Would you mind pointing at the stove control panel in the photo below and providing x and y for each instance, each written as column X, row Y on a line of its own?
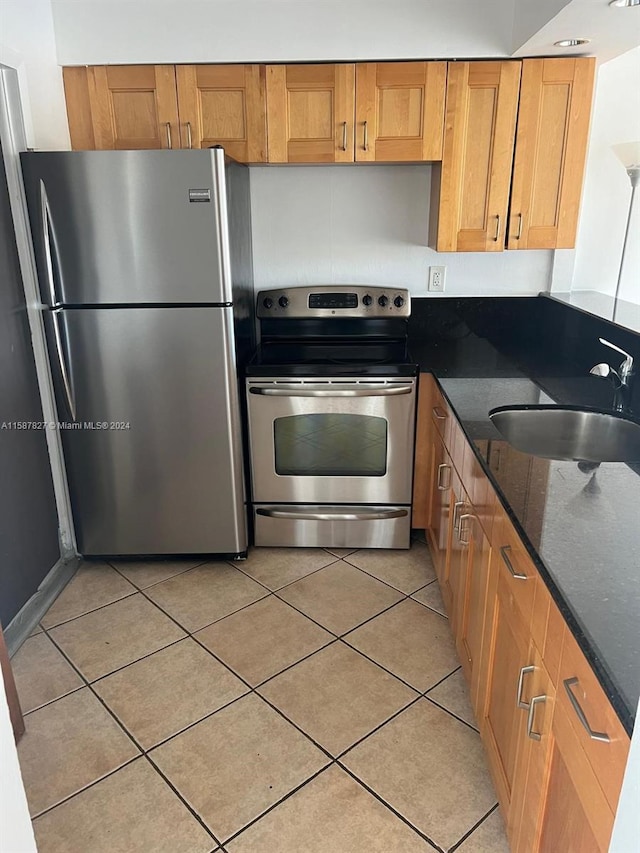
column 335, row 300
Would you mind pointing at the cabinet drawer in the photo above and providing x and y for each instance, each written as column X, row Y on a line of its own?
column 596, row 725
column 514, row 563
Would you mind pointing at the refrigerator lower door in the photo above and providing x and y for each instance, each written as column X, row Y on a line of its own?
column 154, row 455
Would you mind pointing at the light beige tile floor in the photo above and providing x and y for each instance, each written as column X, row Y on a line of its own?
column 304, row 700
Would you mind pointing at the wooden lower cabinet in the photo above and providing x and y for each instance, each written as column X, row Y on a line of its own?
column 438, row 532
column 506, row 659
column 557, row 784
column 472, row 604
column 564, row 807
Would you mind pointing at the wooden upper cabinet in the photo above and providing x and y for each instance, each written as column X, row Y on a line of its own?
column 310, row 111
column 551, row 147
column 129, row 106
column 399, row 111
column 372, row 112
column 223, row 105
column 470, row 191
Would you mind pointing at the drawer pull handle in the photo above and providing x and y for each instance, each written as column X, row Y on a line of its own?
column 438, row 414
column 601, row 736
column 441, row 469
column 167, row 127
column 520, row 703
column 532, row 710
column 344, row 136
column 456, row 520
column 464, row 540
column 504, row 553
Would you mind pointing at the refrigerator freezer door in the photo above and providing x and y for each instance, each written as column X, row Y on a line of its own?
column 129, row 227
column 154, row 457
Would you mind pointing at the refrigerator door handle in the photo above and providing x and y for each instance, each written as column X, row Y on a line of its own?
column 45, row 221
column 66, row 380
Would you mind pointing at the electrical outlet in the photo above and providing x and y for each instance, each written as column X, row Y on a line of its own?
column 436, row 279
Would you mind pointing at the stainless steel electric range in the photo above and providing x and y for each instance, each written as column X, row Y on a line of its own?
column 331, row 396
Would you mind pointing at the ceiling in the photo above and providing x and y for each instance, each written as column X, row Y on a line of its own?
column 156, row 31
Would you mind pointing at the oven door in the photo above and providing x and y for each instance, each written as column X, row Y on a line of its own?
column 331, row 440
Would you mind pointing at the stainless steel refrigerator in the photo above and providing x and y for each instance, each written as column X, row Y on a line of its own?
column 144, row 262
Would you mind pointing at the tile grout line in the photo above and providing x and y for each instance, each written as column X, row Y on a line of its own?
column 180, row 797
column 451, row 714
column 290, row 583
column 476, row 826
column 91, row 610
column 279, row 802
column 390, row 807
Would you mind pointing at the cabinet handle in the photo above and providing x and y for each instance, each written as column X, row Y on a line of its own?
column 438, row 414
column 532, row 710
column 456, row 521
column 520, row 703
column 189, row 137
column 168, row 129
column 601, row 736
column 497, row 234
column 504, row 553
column 461, row 529
column 366, row 137
column 344, row 136
column 441, row 468
column 519, row 234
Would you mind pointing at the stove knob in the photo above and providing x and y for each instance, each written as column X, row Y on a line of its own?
column 267, row 302
column 383, row 301
column 367, row 300
column 398, row 301
column 283, row 302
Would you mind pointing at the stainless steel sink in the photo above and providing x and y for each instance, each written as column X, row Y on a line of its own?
column 561, row 433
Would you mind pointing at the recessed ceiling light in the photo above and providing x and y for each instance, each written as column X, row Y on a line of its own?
column 624, row 4
column 571, row 42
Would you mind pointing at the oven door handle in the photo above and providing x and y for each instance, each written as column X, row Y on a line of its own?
column 364, row 391
column 364, row 515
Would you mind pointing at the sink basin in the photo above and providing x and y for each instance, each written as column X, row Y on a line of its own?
column 563, row 433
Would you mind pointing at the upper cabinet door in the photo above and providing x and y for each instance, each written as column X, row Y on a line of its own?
column 223, row 105
column 133, row 106
column 551, row 147
column 480, row 123
column 310, row 110
column 400, row 111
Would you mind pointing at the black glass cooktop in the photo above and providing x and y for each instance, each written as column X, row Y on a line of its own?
column 332, row 358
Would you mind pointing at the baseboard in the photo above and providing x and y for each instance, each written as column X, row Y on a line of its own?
column 27, row 618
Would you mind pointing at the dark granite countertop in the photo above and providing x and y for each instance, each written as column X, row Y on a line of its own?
column 580, row 527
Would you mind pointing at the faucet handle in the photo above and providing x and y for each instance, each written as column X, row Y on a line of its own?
column 628, row 358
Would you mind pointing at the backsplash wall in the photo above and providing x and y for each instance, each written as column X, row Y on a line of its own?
column 368, row 224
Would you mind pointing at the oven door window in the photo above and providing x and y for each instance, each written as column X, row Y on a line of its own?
column 330, row 445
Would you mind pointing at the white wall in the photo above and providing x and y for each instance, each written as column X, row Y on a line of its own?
column 103, row 31
column 16, row 834
column 607, row 190
column 27, row 43
column 368, row 224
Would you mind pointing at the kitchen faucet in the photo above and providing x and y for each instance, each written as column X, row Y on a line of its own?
column 621, row 377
